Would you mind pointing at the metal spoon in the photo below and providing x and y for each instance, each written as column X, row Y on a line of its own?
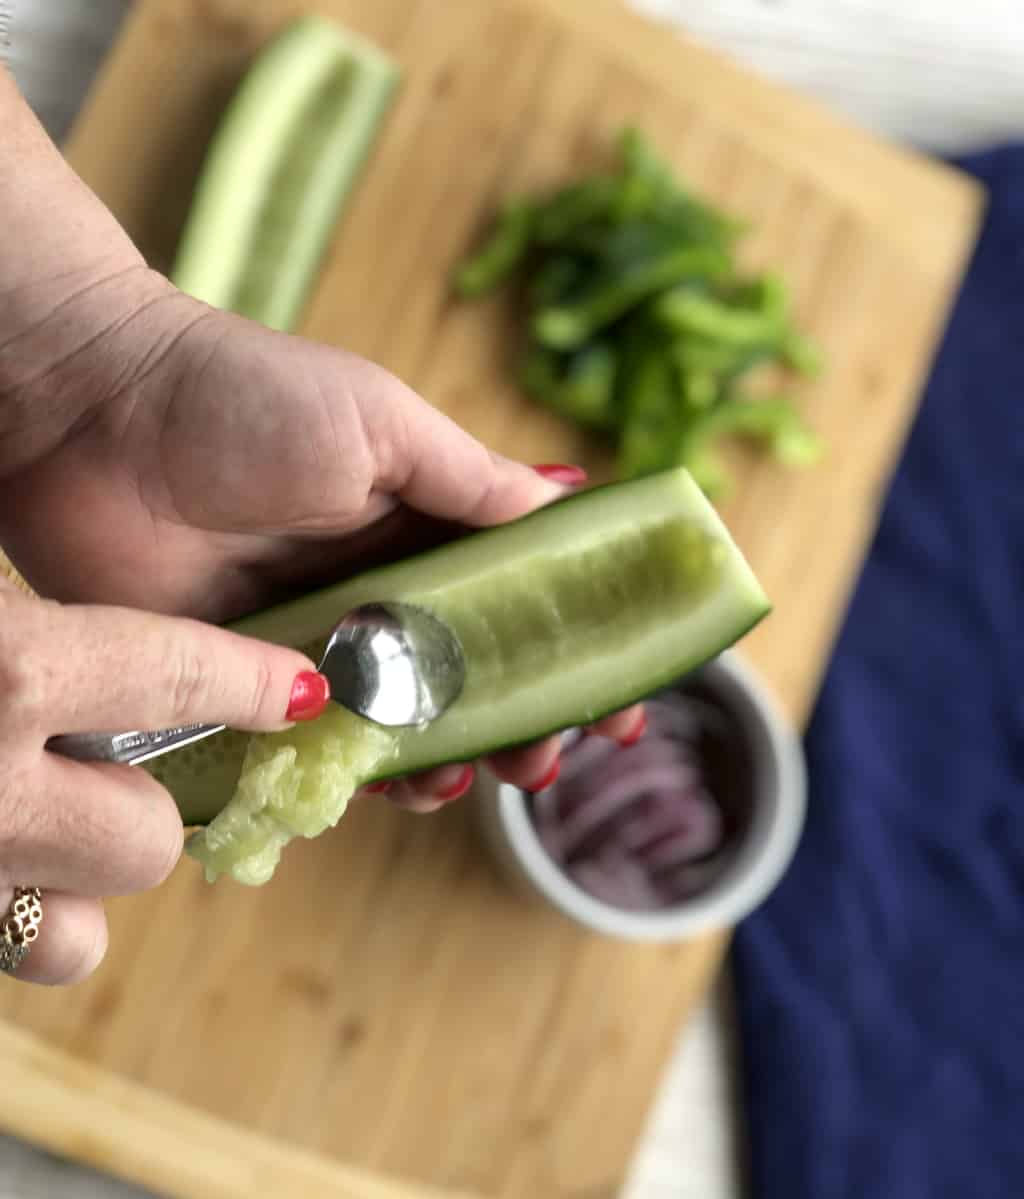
column 394, row 664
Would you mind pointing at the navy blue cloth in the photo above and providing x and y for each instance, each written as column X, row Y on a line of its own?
column 881, row 988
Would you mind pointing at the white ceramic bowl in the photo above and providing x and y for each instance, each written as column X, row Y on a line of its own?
column 771, row 818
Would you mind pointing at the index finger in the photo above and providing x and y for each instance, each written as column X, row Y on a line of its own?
column 92, row 668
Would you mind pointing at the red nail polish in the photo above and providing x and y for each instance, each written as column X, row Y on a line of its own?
column 558, row 472
column 554, row 771
column 461, row 785
column 638, row 731
column 310, row 695
column 378, row 788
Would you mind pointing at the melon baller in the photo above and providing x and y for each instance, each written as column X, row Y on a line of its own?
column 394, row 664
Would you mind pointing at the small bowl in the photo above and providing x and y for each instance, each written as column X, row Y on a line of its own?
column 766, row 823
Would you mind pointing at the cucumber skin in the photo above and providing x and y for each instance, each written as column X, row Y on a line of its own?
column 671, row 677
column 628, row 697
column 624, row 694
column 213, row 194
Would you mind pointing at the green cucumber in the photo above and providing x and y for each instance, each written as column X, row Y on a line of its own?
column 281, row 164
column 565, row 615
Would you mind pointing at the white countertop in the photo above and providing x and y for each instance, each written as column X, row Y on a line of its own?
column 940, row 73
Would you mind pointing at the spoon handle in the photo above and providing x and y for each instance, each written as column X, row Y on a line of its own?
column 129, row 748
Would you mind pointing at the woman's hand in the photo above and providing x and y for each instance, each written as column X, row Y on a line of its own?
column 218, row 466
column 83, row 831
column 157, row 454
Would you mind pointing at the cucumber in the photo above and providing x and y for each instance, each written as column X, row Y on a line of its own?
column 565, row 615
column 281, row 164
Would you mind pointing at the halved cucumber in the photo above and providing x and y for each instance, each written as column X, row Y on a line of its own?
column 279, row 169
column 565, row 615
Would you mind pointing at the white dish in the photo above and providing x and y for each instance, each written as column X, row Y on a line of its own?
column 760, row 851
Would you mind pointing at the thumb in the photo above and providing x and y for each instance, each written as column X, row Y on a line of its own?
column 90, row 668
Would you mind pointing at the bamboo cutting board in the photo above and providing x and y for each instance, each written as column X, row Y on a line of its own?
column 385, row 1008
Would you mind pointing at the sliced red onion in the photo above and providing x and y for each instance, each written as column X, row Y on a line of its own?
column 655, row 817
column 650, row 819
column 616, row 765
column 606, row 802
column 687, row 881
column 637, row 827
column 618, row 881
column 698, row 834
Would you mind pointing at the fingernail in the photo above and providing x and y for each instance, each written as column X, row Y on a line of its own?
column 310, row 695
column 378, row 788
column 633, row 737
column 553, row 772
column 423, row 807
column 558, row 472
column 461, row 785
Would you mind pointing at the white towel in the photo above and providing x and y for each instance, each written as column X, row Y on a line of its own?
column 54, row 48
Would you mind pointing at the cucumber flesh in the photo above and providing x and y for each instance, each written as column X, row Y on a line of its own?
column 279, row 169
column 298, row 786
column 568, row 614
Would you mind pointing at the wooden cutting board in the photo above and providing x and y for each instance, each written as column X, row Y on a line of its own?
column 385, row 1007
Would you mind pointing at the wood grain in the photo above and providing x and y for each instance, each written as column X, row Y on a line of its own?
column 135, row 1133
column 386, row 1004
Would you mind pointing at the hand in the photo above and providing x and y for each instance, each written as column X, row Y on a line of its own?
column 220, row 465
column 83, row 831
column 157, row 454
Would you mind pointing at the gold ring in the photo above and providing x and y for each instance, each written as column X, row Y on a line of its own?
column 20, row 927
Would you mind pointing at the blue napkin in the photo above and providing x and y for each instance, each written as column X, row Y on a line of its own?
column 881, row 988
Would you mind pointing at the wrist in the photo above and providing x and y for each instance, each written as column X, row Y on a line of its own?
column 69, row 345
column 71, row 283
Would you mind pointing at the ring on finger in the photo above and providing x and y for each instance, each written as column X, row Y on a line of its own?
column 19, row 927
